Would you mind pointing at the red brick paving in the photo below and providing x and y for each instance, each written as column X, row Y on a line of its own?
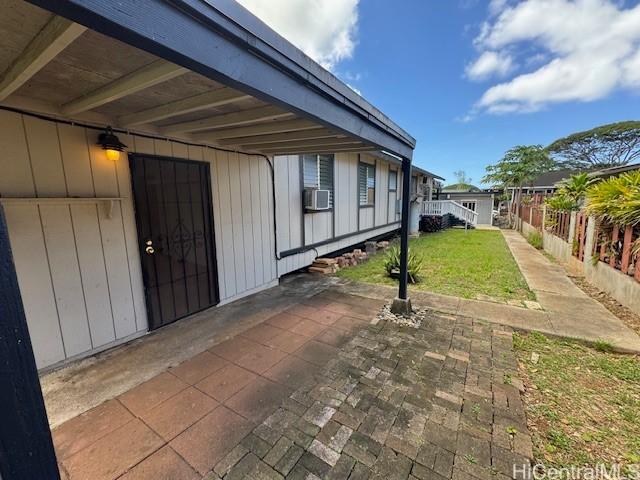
column 172, row 417
column 206, row 405
column 198, row 367
column 205, row 443
column 165, row 464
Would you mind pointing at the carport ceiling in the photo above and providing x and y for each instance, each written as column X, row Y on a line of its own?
column 68, row 70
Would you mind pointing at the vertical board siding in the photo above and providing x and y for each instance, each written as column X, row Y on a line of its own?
column 79, row 271
column 34, row 278
column 319, row 226
column 65, row 276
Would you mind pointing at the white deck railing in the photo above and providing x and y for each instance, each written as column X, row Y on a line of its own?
column 442, row 207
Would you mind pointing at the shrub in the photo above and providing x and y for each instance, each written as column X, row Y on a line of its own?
column 535, row 239
column 559, row 201
column 392, row 264
column 430, row 223
column 616, row 200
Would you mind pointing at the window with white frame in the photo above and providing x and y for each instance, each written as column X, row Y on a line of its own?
column 469, row 205
column 317, row 172
column 393, row 180
column 366, row 184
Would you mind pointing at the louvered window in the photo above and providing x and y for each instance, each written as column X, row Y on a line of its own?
column 366, row 184
column 318, row 173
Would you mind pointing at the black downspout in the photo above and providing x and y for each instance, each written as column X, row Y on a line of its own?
column 26, row 448
column 404, row 228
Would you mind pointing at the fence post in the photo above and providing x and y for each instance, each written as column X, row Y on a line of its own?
column 614, row 239
column 626, row 249
column 572, row 227
column 589, row 239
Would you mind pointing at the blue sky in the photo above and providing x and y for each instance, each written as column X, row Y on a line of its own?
column 469, row 78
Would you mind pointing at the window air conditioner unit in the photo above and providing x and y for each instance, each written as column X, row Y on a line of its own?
column 315, row 199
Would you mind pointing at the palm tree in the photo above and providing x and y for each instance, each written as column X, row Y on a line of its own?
column 575, row 187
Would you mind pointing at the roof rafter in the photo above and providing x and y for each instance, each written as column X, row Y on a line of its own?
column 261, row 129
column 291, row 151
column 281, row 137
column 319, row 142
column 56, row 35
column 145, row 77
column 215, row 98
column 227, row 120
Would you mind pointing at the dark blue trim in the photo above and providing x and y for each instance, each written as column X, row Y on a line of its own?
column 216, row 39
column 26, row 449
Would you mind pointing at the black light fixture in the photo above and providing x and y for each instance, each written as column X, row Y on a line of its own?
column 111, row 144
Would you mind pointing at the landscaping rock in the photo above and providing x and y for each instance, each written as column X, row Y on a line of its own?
column 414, row 320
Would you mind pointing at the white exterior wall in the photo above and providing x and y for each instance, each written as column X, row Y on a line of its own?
column 350, row 218
column 79, row 270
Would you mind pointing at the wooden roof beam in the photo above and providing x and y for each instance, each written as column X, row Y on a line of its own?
column 242, row 117
column 337, row 149
column 217, row 136
column 56, row 35
column 280, row 137
column 215, row 98
column 145, row 77
column 319, row 142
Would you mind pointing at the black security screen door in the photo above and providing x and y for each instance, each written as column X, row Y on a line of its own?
column 175, row 231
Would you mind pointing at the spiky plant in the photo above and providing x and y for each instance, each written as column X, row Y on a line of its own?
column 575, row 187
column 560, row 202
column 392, row 264
column 616, row 200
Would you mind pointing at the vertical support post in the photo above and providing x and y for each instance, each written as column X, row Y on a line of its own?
column 402, row 304
column 26, row 448
column 404, row 227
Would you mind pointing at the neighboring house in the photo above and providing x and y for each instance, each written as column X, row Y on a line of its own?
column 481, row 202
column 611, row 171
column 224, row 137
column 545, row 184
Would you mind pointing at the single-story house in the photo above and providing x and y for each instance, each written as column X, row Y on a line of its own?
column 482, row 202
column 148, row 174
column 545, row 183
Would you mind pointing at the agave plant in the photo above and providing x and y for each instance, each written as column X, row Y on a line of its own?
column 392, row 264
column 616, row 200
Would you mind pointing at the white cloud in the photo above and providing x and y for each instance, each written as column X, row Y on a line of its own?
column 496, row 6
column 580, row 50
column 323, row 29
column 490, row 63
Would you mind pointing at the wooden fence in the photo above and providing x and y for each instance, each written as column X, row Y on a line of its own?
column 537, row 216
column 558, row 223
column 580, row 238
column 614, row 246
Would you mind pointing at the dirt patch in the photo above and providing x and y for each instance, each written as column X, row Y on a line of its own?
column 630, row 319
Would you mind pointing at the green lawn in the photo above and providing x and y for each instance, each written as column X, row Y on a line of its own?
column 459, row 263
column 583, row 404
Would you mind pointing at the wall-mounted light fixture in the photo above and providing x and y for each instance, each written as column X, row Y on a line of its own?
column 111, row 144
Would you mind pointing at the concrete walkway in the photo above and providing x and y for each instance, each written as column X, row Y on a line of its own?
column 568, row 311
column 571, row 312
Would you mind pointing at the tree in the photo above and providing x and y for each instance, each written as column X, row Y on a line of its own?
column 461, row 176
column 520, row 164
column 571, row 192
column 605, row 146
column 575, row 187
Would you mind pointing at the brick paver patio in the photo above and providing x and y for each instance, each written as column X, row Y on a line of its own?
column 317, row 392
